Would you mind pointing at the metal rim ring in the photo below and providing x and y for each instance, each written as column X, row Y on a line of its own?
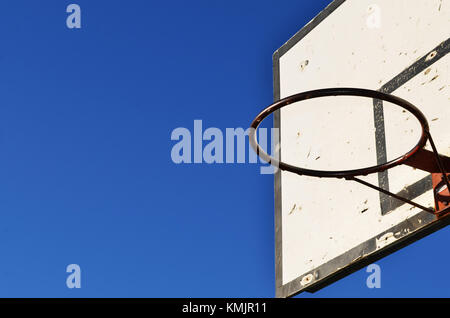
column 338, row 92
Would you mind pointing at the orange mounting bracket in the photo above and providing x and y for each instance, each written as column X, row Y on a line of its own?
column 426, row 160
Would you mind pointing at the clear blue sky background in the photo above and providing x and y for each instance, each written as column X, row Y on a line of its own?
column 86, row 173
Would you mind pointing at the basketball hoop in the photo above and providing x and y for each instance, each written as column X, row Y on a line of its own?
column 417, row 157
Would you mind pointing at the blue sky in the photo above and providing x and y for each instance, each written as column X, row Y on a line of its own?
column 86, row 173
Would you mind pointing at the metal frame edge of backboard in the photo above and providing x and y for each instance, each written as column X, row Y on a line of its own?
column 362, row 255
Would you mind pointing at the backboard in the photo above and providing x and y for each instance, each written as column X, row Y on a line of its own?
column 328, row 228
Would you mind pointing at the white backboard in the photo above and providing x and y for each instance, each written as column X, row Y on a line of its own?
column 327, row 228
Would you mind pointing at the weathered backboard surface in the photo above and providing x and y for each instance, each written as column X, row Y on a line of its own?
column 328, row 228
